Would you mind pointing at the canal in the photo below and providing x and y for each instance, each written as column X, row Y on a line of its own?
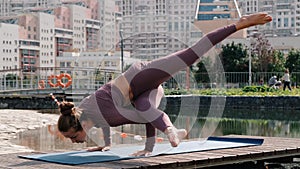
column 47, row 138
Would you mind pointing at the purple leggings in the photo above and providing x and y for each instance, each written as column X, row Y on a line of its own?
column 144, row 77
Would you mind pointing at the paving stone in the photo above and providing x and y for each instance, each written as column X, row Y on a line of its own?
column 15, row 121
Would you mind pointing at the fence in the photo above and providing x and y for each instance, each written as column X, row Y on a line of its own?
column 241, row 79
column 93, row 78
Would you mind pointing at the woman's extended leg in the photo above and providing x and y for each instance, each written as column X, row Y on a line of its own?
column 149, row 75
column 147, row 106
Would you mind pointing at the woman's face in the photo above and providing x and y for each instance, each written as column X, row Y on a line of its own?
column 75, row 136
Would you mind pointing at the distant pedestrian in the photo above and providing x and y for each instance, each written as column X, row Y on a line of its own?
column 286, row 80
column 274, row 83
column 261, row 82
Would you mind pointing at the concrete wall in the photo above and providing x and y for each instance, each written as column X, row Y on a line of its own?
column 280, row 108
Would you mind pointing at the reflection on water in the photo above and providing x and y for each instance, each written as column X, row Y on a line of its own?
column 49, row 139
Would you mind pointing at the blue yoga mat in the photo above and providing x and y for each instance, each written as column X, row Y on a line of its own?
column 121, row 153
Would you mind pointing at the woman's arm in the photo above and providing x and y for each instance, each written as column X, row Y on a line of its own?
column 150, row 141
column 107, row 141
column 107, row 136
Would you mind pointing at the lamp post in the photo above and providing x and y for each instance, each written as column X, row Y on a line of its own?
column 252, row 46
column 250, row 73
column 122, row 50
column 122, row 63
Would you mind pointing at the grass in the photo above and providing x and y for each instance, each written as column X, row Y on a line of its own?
column 246, row 91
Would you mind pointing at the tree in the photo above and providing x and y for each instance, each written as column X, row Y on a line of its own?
column 293, row 61
column 234, row 57
column 293, row 64
column 277, row 63
column 200, row 72
column 264, row 57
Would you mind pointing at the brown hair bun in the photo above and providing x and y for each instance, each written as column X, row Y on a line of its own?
column 66, row 108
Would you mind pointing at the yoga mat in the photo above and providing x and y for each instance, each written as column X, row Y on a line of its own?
column 121, row 153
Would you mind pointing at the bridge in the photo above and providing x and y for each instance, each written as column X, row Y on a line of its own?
column 73, row 83
column 74, row 95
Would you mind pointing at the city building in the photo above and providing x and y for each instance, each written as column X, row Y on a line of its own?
column 147, row 29
column 9, row 53
column 15, row 7
column 153, row 29
column 35, row 42
column 212, row 14
column 45, row 33
column 109, row 33
column 84, row 65
column 285, row 13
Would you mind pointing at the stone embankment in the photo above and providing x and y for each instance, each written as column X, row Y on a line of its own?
column 39, row 102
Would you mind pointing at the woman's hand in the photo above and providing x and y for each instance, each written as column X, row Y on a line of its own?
column 144, row 153
column 104, row 148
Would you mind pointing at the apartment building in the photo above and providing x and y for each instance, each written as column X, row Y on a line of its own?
column 9, row 53
column 109, row 31
column 62, row 30
column 5, row 8
column 35, row 41
column 87, row 64
column 15, row 7
column 97, row 19
column 212, row 14
column 104, row 60
column 29, row 43
column 153, row 29
column 44, row 34
column 286, row 18
column 285, row 13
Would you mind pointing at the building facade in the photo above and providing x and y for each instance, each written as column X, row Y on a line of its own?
column 212, row 14
column 9, row 53
column 153, row 29
column 46, row 31
column 15, row 7
column 103, row 66
column 285, row 13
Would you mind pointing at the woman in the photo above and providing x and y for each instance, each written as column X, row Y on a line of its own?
column 133, row 97
column 286, row 80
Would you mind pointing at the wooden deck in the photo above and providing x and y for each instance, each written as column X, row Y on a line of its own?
column 272, row 148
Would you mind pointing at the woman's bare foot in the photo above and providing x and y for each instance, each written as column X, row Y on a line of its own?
column 175, row 135
column 252, row 20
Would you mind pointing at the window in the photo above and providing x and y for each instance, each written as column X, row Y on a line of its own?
column 62, row 64
column 286, row 22
column 107, row 63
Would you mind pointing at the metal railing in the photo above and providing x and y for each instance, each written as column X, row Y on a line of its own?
column 93, row 78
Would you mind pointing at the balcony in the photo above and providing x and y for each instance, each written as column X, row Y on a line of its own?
column 29, row 45
column 63, row 33
column 89, row 23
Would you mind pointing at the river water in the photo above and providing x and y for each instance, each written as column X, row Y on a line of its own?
column 47, row 138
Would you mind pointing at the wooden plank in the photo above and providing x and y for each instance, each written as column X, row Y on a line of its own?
column 237, row 153
column 273, row 147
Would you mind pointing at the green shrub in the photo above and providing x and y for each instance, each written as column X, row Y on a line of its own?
column 175, row 91
column 257, row 89
column 245, row 91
